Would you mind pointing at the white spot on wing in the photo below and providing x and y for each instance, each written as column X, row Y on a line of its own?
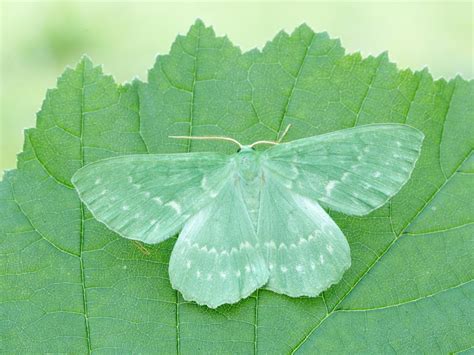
column 98, row 181
column 282, row 246
column 157, row 200
column 345, row 176
column 270, row 266
column 288, row 184
column 223, row 274
column 330, row 249
column 299, row 268
column 283, row 269
column 188, row 264
column 377, row 174
column 130, row 179
column 125, row 207
column 321, row 259
column 198, row 274
column 313, row 266
column 209, row 277
column 147, row 194
column 174, row 205
column 245, row 245
column 237, row 273
column 103, row 192
column 330, row 186
column 247, row 268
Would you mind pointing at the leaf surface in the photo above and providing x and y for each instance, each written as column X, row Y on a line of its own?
column 69, row 284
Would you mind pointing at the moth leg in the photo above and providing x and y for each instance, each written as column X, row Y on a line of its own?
column 141, row 247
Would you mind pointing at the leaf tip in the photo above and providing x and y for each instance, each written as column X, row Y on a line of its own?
column 383, row 56
column 304, row 27
column 199, row 23
column 199, row 27
column 85, row 60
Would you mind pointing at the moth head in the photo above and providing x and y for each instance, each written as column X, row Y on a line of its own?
column 247, row 163
column 245, row 149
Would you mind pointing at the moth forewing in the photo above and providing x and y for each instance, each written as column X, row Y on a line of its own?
column 354, row 171
column 149, row 197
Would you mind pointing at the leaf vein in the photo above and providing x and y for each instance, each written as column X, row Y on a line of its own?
column 407, row 301
column 295, row 82
column 366, row 94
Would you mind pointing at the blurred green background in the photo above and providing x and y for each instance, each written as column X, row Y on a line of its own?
column 38, row 39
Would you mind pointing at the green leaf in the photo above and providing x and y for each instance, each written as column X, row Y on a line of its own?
column 68, row 284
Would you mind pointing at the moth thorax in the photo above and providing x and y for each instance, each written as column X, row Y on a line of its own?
column 247, row 162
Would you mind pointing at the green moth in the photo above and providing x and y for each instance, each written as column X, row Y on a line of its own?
column 253, row 218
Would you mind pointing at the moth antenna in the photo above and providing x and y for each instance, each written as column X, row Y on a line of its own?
column 215, row 138
column 284, row 133
column 273, row 142
column 263, row 142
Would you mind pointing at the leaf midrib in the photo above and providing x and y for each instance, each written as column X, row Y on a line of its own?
column 81, row 227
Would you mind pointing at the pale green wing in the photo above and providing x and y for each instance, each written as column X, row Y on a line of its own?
column 216, row 258
column 354, row 171
column 149, row 197
column 305, row 250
